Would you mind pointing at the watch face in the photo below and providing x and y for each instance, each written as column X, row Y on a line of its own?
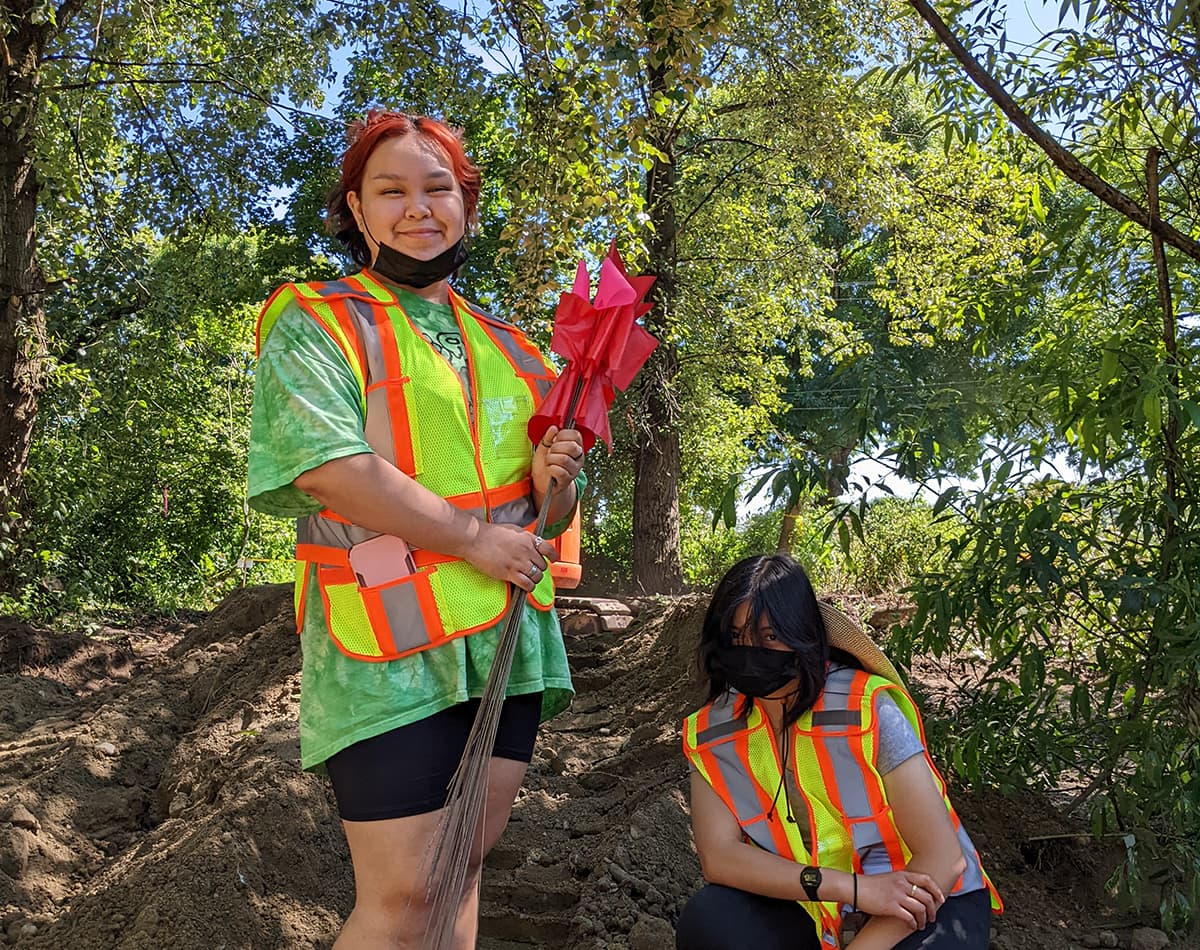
column 810, row 880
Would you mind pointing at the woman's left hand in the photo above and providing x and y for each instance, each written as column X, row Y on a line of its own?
column 911, row 897
column 558, row 456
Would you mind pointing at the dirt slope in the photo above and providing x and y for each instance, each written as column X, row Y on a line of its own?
column 150, row 796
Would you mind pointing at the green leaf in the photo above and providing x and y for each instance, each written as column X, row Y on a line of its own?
column 1035, row 200
column 1152, row 409
column 1179, row 11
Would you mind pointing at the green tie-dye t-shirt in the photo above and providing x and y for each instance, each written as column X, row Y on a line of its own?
column 307, row 412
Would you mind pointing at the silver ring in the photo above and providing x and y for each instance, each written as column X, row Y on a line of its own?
column 534, row 568
column 538, row 541
column 913, row 892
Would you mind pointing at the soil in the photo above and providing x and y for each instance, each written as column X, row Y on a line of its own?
column 150, row 796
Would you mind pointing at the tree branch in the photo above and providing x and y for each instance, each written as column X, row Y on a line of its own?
column 65, row 13
column 1064, row 160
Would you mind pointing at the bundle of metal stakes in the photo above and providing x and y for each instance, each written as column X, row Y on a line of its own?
column 604, row 348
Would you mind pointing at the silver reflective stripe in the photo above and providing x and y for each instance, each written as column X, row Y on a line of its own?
column 404, row 615
column 866, row 834
column 378, row 429
column 335, row 287
column 851, row 787
column 875, row 859
column 746, row 802
column 525, row 362
column 720, row 731
column 837, row 717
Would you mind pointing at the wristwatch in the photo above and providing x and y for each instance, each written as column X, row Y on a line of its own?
column 810, row 880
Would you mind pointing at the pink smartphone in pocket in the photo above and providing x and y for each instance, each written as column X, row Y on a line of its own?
column 381, row 559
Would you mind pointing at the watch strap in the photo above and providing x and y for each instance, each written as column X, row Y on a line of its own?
column 810, row 880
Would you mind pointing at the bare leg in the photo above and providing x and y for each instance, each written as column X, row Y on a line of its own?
column 389, row 902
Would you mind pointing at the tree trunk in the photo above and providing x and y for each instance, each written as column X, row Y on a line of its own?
column 22, row 317
column 657, row 563
column 787, row 528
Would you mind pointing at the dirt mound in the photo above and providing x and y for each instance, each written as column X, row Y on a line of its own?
column 150, row 796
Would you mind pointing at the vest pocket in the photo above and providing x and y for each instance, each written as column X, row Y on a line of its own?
column 382, row 622
column 503, row 419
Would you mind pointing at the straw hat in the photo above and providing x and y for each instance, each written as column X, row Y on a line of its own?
column 846, row 634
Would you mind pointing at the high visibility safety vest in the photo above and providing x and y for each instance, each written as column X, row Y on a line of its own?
column 849, row 824
column 471, row 448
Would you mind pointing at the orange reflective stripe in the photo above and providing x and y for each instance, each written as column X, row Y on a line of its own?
column 468, row 500
column 424, row 558
column 512, row 492
column 339, row 307
column 715, row 775
column 352, row 358
column 323, row 554
column 402, row 441
column 334, row 516
column 428, row 605
column 380, row 628
column 302, row 600
column 493, row 497
column 883, row 822
column 828, row 779
column 783, row 847
column 341, row 313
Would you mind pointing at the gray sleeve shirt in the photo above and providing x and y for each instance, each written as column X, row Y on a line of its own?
column 898, row 741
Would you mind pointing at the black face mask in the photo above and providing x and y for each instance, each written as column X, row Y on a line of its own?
column 756, row 671
column 400, row 268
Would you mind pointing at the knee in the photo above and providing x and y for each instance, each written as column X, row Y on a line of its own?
column 394, row 908
column 699, row 928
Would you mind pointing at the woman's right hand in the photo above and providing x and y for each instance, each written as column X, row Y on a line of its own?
column 909, row 896
column 509, row 553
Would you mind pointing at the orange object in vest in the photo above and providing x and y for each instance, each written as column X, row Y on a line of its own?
column 567, row 571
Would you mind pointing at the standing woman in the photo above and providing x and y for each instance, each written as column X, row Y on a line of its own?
column 816, row 811
column 390, row 419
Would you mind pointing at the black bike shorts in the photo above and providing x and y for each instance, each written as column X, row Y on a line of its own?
column 407, row 770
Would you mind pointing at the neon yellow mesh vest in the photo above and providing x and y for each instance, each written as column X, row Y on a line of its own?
column 477, row 461
column 849, row 825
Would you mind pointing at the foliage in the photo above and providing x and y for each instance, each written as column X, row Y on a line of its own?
column 138, row 473
column 1080, row 589
column 709, row 552
column 901, row 541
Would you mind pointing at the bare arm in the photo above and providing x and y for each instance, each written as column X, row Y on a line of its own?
column 371, row 493
column 927, row 829
column 726, row 859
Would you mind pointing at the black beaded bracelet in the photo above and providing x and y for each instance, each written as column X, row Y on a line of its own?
column 854, row 903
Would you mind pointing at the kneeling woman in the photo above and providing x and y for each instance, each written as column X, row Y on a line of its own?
column 817, row 813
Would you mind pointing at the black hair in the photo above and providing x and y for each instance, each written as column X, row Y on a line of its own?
column 777, row 590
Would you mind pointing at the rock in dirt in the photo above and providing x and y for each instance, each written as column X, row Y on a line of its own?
column 1147, row 938
column 22, row 817
column 14, row 852
column 1108, row 939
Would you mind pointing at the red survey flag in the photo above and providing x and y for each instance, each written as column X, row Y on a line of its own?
column 604, row 348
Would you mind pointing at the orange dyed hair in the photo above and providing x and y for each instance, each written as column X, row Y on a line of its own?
column 363, row 138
